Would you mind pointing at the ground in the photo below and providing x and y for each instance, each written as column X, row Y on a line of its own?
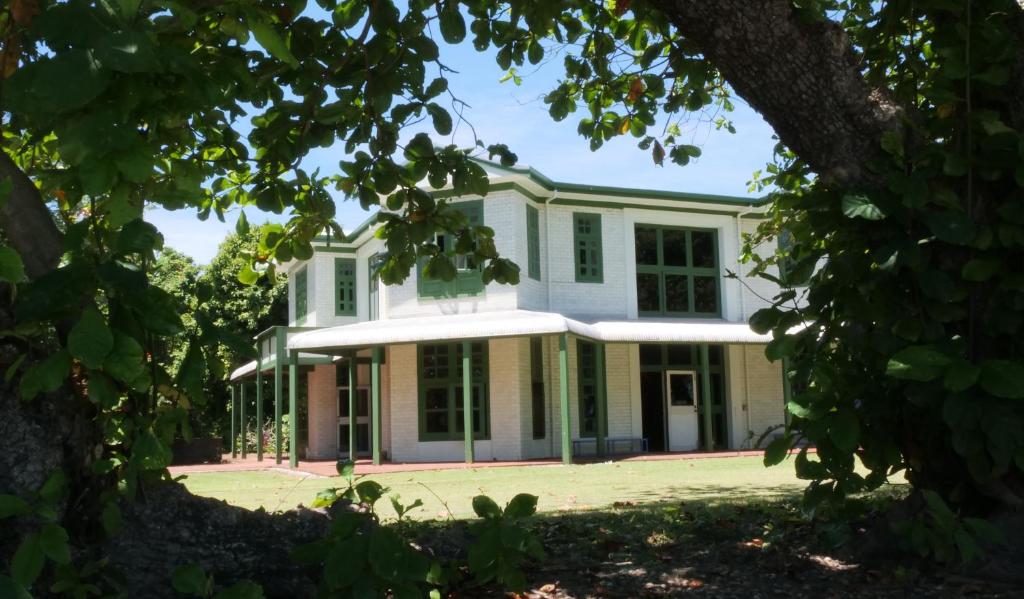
column 725, row 527
column 559, row 488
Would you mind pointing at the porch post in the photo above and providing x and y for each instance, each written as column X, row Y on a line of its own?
column 602, row 399
column 353, row 370
column 234, row 418
column 259, row 402
column 375, row 401
column 563, row 396
column 467, row 399
column 244, row 426
column 279, row 357
column 293, row 411
column 705, row 397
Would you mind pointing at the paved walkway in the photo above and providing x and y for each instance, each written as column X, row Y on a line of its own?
column 364, row 466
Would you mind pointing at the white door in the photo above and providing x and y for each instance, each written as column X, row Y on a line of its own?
column 681, row 406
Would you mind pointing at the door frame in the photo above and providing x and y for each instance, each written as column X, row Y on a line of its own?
column 342, row 444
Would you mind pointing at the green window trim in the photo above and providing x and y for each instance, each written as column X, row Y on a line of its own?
column 301, row 295
column 588, row 255
column 532, row 242
column 439, row 386
column 468, row 280
column 696, row 278
column 586, row 388
column 344, row 287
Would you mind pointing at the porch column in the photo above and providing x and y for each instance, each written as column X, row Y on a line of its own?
column 467, row 399
column 602, row 398
column 705, row 397
column 375, row 401
column 293, row 412
column 234, row 419
column 353, row 369
column 563, row 396
column 244, row 426
column 259, row 403
column 279, row 357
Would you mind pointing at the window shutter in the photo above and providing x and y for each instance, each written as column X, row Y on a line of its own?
column 344, row 287
column 533, row 242
column 301, row 295
column 588, row 253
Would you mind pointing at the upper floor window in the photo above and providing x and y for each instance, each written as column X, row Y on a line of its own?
column 373, row 265
column 587, row 243
column 344, row 287
column 532, row 242
column 467, row 280
column 301, row 295
column 677, row 272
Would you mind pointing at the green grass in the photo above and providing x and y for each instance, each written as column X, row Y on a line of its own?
column 559, row 488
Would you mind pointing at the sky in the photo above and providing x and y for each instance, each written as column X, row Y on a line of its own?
column 517, row 116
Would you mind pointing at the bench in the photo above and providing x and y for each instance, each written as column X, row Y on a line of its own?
column 612, row 445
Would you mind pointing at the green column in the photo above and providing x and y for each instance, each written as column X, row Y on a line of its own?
column 563, row 396
column 244, row 426
column 279, row 358
column 375, row 401
column 259, row 403
column 602, row 398
column 467, row 399
column 234, row 419
column 293, row 410
column 705, row 396
column 353, row 372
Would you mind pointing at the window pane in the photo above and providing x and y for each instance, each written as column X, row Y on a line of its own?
column 680, row 389
column 539, row 425
column 343, row 403
column 680, row 355
column 647, row 292
column 647, row 246
column 703, row 249
column 715, row 355
column 436, row 399
column 650, row 354
column 677, row 296
column 437, row 422
column 705, row 292
column 674, row 247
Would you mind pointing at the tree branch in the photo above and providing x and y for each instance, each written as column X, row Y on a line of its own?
column 803, row 77
column 27, row 223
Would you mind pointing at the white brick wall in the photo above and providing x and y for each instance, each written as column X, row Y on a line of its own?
column 587, row 299
column 323, row 413
column 755, row 394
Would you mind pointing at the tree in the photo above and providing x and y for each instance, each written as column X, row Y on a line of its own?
column 898, row 169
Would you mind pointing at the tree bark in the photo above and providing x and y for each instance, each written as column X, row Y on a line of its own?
column 802, row 77
column 27, row 222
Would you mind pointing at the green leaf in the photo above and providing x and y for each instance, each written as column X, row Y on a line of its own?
column 59, row 83
column 125, row 361
column 859, row 206
column 521, row 506
column 1002, row 378
column 91, row 340
column 54, row 541
column 453, row 27
column 961, row 376
column 918, row 363
column 12, row 269
column 764, row 320
column 190, row 579
column 369, row 491
column 9, row 589
column 777, row 451
column 979, row 270
column 346, row 469
column 951, row 227
column 272, row 42
column 46, row 376
column 248, row 276
column 844, row 430
column 28, row 560
column 244, row 589
column 111, row 519
column 128, row 52
column 442, row 120
column 12, row 505
column 242, row 226
column 485, row 507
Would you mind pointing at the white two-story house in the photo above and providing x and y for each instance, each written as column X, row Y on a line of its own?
column 623, row 335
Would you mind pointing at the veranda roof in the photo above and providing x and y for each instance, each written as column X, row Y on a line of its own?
column 520, row 323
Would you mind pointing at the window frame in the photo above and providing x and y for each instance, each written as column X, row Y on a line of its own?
column 592, row 237
column 340, row 308
column 538, row 390
column 691, row 272
column 582, row 382
column 532, row 242
column 451, row 383
column 301, row 285
column 468, row 282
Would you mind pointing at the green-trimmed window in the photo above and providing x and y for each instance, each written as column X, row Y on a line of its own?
column 440, row 391
column 468, row 280
column 587, row 243
column 532, row 242
column 301, row 295
column 344, row 287
column 537, row 388
column 586, row 386
column 677, row 272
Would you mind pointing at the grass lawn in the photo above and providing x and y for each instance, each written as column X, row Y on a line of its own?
column 560, row 488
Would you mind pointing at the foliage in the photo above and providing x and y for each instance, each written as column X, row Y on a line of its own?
column 502, row 544
column 191, row 580
column 907, row 294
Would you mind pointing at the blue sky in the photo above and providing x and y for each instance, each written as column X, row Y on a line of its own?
column 517, row 116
